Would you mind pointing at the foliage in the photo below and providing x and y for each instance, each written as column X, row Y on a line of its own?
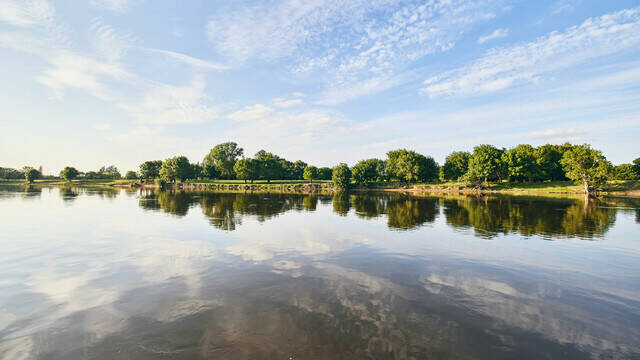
column 636, row 166
column 585, row 164
column 69, row 173
column 176, row 168
column 409, row 166
column 325, row 173
column 310, row 173
column 8, row 173
column 455, row 166
column 131, row 175
column 31, row 175
column 625, row 172
column 520, row 163
column 298, row 170
column 548, row 162
column 368, row 171
column 485, row 164
column 246, row 169
column 341, row 176
column 223, row 157
column 150, row 169
column 270, row 167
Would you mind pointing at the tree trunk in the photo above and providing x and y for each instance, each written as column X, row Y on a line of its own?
column 586, row 186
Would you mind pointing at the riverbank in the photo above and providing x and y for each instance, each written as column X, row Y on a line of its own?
column 555, row 188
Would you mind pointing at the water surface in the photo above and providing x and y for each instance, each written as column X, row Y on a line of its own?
column 105, row 274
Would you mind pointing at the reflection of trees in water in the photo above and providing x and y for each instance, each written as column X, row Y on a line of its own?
column 490, row 216
column 341, row 203
column 369, row 206
column 32, row 192
column 408, row 212
column 69, row 194
column 221, row 211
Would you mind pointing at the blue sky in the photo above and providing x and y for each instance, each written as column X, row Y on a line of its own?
column 100, row 82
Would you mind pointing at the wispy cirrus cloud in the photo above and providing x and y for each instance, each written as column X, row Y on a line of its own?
column 496, row 34
column 26, row 13
column 190, row 60
column 120, row 6
column 505, row 67
column 353, row 42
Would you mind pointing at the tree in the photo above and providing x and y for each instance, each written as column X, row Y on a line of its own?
column 455, row 166
column 298, row 170
column 131, row 175
column 520, row 163
column 269, row 165
column 548, row 161
column 69, row 173
column 31, row 175
column 410, row 166
column 310, row 173
column 587, row 165
column 368, row 171
column 625, row 172
column 485, row 164
column 341, row 176
column 223, row 157
column 636, row 166
column 246, row 169
column 176, row 168
column 325, row 173
column 150, row 169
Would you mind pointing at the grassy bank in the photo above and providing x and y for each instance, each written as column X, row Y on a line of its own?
column 614, row 188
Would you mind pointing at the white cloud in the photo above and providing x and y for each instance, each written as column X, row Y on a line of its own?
column 191, row 61
column 285, row 103
column 25, row 13
column 109, row 43
column 114, row 5
column 496, row 34
column 354, row 41
column 556, row 134
column 173, row 105
column 502, row 68
column 80, row 72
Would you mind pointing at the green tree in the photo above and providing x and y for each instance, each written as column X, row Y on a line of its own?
column 625, row 172
column 32, row 174
column 410, row 166
column 176, row 168
column 548, row 161
column 270, row 167
column 368, row 171
column 131, row 175
column 325, row 173
column 223, row 157
column 636, row 166
column 150, row 169
column 485, row 164
column 69, row 173
column 455, row 166
column 520, row 163
column 298, row 170
column 310, row 173
column 587, row 165
column 247, row 169
column 341, row 176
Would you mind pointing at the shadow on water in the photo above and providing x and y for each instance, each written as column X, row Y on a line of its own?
column 487, row 216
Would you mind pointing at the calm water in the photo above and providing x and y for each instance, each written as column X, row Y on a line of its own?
column 88, row 274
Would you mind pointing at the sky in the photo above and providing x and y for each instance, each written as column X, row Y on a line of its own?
column 118, row 82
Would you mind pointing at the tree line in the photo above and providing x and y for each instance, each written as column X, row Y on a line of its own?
column 486, row 163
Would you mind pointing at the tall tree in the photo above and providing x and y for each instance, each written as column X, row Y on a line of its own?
column 223, row 157
column 246, row 169
column 520, row 163
column 270, row 166
column 150, row 169
column 410, row 166
column 325, row 173
column 298, row 170
column 624, row 172
column 368, row 171
column 31, row 175
column 636, row 166
column 176, row 168
column 548, row 161
column 585, row 164
column 310, row 173
column 69, row 173
column 455, row 166
column 485, row 164
column 341, row 176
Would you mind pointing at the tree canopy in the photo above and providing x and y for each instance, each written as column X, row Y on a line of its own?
column 455, row 166
column 131, row 175
column 341, row 176
column 150, row 169
column 176, row 168
column 485, row 164
column 69, row 173
column 368, row 171
column 223, row 157
column 585, row 164
column 409, row 166
column 32, row 174
column 247, row 169
column 311, row 173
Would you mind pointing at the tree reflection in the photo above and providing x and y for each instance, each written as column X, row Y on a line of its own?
column 408, row 212
column 69, row 194
column 341, row 203
column 490, row 216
